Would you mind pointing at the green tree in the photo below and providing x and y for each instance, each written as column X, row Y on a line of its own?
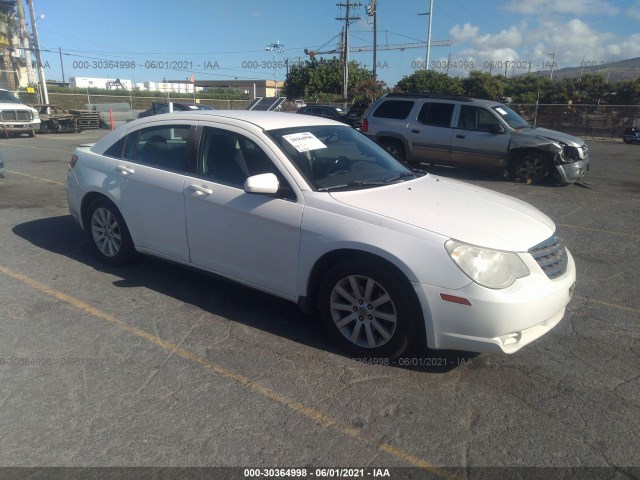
column 322, row 78
column 484, row 85
column 430, row 81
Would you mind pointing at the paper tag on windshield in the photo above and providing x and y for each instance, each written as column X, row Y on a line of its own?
column 304, row 141
column 501, row 111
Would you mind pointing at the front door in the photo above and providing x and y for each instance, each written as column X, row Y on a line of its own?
column 252, row 238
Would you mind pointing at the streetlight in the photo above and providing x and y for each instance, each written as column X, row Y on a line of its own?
column 36, row 43
column 276, row 48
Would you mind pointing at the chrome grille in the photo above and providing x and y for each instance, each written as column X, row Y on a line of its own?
column 16, row 115
column 551, row 255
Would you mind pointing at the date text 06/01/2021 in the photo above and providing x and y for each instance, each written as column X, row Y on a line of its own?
column 317, row 472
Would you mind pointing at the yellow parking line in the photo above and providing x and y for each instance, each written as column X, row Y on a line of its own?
column 37, row 178
column 311, row 413
column 599, row 230
column 608, row 304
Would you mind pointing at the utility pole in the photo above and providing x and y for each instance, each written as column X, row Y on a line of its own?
column 36, row 43
column 61, row 64
column 430, row 13
column 347, row 21
column 24, row 43
column 372, row 11
column 553, row 61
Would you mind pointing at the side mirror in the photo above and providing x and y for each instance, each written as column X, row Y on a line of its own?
column 496, row 128
column 265, row 183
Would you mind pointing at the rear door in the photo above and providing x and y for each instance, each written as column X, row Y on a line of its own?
column 149, row 180
column 430, row 134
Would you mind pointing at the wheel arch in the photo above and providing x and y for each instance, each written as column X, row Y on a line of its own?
column 87, row 200
column 309, row 303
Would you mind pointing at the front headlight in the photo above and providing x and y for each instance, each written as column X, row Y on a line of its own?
column 489, row 268
column 36, row 115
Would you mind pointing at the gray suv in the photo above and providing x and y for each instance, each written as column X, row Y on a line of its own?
column 468, row 132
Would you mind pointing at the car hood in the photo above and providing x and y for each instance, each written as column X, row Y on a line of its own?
column 15, row 106
column 553, row 135
column 457, row 210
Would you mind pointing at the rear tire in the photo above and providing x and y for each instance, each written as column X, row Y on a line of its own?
column 395, row 148
column 368, row 310
column 108, row 233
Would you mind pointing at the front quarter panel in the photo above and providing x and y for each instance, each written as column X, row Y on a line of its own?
column 329, row 225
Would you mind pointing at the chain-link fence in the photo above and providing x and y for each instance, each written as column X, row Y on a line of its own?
column 77, row 101
column 582, row 120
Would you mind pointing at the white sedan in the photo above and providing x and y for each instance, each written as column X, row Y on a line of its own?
column 314, row 212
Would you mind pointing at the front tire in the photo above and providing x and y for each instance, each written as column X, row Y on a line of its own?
column 108, row 233
column 531, row 167
column 368, row 310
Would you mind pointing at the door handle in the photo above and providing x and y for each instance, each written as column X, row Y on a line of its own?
column 125, row 170
column 201, row 190
column 415, row 131
column 459, row 135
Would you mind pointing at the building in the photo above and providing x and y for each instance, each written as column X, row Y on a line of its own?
column 93, row 82
column 253, row 88
column 168, row 86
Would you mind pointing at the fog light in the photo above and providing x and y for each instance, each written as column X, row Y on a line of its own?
column 510, row 338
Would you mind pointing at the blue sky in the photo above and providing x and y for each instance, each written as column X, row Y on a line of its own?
column 222, row 39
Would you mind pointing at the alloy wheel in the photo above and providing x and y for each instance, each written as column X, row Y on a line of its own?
column 363, row 311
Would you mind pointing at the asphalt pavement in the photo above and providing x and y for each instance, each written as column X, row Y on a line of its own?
column 157, row 365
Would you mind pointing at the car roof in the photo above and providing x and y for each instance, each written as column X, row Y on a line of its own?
column 441, row 96
column 261, row 120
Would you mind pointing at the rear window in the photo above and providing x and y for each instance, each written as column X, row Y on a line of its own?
column 436, row 114
column 396, row 109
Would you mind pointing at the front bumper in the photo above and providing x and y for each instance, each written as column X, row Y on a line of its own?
column 573, row 172
column 17, row 127
column 497, row 320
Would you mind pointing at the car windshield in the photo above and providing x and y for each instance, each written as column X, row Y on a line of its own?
column 335, row 158
column 8, row 97
column 512, row 118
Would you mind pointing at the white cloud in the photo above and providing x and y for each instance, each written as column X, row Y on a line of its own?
column 573, row 7
column 461, row 34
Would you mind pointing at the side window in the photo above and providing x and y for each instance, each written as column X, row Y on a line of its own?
column 436, row 114
column 476, row 118
column 230, row 158
column 395, row 109
column 117, row 149
column 162, row 147
column 327, row 112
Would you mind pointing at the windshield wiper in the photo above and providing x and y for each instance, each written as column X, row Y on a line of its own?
column 367, row 183
column 403, row 176
column 355, row 183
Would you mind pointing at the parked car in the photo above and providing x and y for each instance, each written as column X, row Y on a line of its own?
column 312, row 211
column 158, row 108
column 468, row 132
column 631, row 135
column 16, row 118
column 332, row 112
